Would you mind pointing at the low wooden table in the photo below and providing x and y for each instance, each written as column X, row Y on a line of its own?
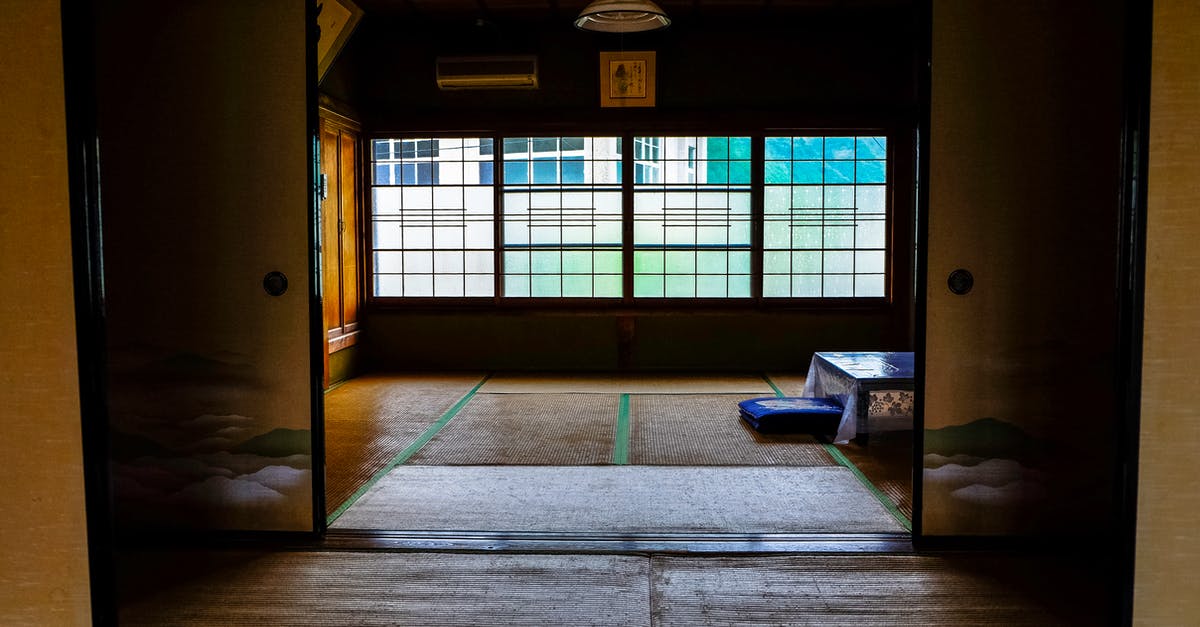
column 853, row 377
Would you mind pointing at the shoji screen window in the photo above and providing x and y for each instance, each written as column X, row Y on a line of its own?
column 692, row 219
column 825, row 217
column 432, row 216
column 562, row 217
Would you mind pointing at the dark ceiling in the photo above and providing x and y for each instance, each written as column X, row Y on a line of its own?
column 567, row 9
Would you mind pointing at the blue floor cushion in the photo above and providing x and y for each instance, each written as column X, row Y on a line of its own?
column 794, row 414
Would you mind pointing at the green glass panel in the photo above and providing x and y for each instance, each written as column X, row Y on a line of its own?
column 711, row 261
column 607, row 286
column 839, row 237
column 711, row 287
column 777, row 234
column 777, row 200
column 739, row 172
column 839, row 148
column 680, row 286
column 739, row 286
column 516, row 285
column 779, row 148
column 739, row 147
column 808, row 148
column 806, row 237
column 806, row 262
column 870, row 285
column 607, row 262
column 778, row 172
column 516, row 262
column 776, row 286
column 871, row 172
column 577, row 262
column 545, row 286
column 839, row 172
column 806, row 286
column 838, row 286
column 718, row 148
column 807, row 172
column 776, row 262
column 545, row 262
column 871, row 148
column 718, row 172
column 839, row 197
column 680, row 261
column 841, row 261
column 648, row 262
column 739, row 262
column 577, row 286
column 808, row 196
column 649, row 286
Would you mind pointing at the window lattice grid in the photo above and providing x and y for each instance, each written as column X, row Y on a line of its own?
column 562, row 217
column 825, row 217
column 692, row 231
column 432, row 237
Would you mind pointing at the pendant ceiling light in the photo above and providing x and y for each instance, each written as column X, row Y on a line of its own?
column 622, row 16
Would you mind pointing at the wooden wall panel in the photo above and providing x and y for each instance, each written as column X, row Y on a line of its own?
column 43, row 548
column 1166, row 588
column 348, row 166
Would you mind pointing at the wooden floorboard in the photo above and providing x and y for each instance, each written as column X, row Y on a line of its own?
column 875, row 590
column 334, row 588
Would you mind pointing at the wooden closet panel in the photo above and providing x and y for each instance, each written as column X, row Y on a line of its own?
column 348, row 168
column 330, row 275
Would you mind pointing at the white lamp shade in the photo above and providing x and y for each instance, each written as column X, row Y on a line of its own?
column 622, row 16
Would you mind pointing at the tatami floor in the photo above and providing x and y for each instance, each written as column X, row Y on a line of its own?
column 596, row 453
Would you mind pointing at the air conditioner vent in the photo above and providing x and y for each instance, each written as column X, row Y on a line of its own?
column 510, row 72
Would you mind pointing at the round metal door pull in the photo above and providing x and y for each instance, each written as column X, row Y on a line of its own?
column 960, row 281
column 275, row 283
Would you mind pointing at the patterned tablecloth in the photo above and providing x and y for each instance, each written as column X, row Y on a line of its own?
column 870, row 385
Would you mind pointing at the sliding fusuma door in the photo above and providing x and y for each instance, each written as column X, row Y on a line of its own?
column 206, row 161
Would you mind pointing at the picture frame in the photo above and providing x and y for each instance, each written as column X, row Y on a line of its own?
column 336, row 19
column 627, row 79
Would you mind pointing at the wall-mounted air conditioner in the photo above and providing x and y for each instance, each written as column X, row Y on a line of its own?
column 492, row 72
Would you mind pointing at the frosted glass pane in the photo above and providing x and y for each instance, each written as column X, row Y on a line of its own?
column 478, row 235
column 480, row 285
column 384, row 200
column 872, row 261
column 607, row 232
column 417, row 198
column 479, row 262
column 838, row 286
column 418, row 262
column 808, row 197
column 448, row 262
column 577, row 234
column 680, row 234
column 739, row 262
column 776, row 234
column 418, row 285
column 713, row 235
column 577, row 286
column 577, row 262
column 389, row 285
column 478, row 200
column 871, row 198
column 545, row 262
column 386, row 235
column 545, row 235
column 448, row 237
column 840, row 261
column 869, row 285
column 515, row 233
column 776, row 262
column 389, row 262
column 806, row 262
column 739, row 286
column 647, row 232
column 711, row 262
column 776, row 200
column 776, row 286
column 839, row 237
column 870, row 234
column 448, row 285
column 806, row 286
column 806, row 237
column 608, row 262
column 839, row 197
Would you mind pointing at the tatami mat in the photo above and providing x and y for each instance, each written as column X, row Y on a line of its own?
column 518, row 383
column 541, row 429
column 332, row 589
column 370, row 419
column 703, row 429
column 620, row 499
column 790, row 383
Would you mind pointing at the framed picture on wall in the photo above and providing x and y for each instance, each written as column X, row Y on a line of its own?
column 627, row 79
column 337, row 19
